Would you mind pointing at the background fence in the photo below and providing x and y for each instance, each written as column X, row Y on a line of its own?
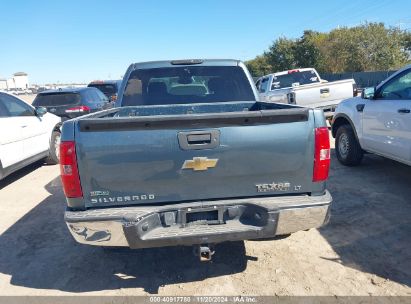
column 363, row 79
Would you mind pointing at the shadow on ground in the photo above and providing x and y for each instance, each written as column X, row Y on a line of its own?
column 370, row 230
column 38, row 252
column 370, row 225
column 19, row 174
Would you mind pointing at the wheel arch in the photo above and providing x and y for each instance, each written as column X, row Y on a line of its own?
column 57, row 127
column 53, row 156
column 338, row 121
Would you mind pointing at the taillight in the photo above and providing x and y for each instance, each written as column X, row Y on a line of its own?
column 354, row 90
column 68, row 170
column 79, row 109
column 293, row 71
column 321, row 154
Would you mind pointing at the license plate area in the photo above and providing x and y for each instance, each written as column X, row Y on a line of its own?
column 202, row 216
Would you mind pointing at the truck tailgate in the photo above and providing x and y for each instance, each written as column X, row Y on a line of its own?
column 323, row 94
column 129, row 163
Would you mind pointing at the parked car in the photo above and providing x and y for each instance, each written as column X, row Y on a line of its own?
column 11, row 91
column 110, row 88
column 18, row 91
column 377, row 122
column 28, row 134
column 73, row 102
column 306, row 88
column 201, row 164
column 41, row 89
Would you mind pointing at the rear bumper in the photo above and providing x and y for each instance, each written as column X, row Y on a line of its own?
column 198, row 222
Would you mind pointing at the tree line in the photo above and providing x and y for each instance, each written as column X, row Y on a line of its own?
column 367, row 47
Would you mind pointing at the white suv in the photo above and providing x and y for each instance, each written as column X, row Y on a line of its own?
column 27, row 134
column 378, row 122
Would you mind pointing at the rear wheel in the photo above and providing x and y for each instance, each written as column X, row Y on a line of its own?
column 347, row 147
column 54, row 150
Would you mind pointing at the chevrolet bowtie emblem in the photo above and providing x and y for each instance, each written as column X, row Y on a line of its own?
column 200, row 163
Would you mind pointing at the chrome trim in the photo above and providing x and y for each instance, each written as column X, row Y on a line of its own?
column 99, row 233
column 293, row 220
column 105, row 227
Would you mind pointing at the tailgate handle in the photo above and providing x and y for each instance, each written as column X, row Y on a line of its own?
column 324, row 91
column 197, row 140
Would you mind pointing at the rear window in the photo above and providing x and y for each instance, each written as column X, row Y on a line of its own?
column 107, row 89
column 193, row 84
column 58, row 99
column 294, row 79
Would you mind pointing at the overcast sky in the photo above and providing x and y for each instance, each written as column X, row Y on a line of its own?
column 78, row 41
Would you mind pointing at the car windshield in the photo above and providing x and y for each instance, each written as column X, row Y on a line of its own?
column 194, row 84
column 56, row 99
column 107, row 89
column 293, row 79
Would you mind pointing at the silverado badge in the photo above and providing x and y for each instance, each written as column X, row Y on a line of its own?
column 199, row 163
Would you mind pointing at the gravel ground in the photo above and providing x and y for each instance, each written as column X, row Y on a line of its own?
column 365, row 250
column 27, row 98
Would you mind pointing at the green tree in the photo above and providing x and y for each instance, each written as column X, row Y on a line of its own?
column 281, row 54
column 259, row 66
column 387, row 51
column 367, row 47
column 307, row 51
column 339, row 51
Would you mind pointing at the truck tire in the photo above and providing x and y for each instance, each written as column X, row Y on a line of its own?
column 347, row 147
column 54, row 150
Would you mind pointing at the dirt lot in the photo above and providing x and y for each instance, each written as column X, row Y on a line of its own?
column 27, row 98
column 365, row 250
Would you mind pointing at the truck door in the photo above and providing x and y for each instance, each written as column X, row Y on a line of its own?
column 11, row 136
column 32, row 128
column 387, row 119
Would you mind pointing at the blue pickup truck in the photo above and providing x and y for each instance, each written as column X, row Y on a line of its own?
column 189, row 156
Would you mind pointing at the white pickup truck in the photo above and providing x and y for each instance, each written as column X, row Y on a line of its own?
column 304, row 87
column 378, row 122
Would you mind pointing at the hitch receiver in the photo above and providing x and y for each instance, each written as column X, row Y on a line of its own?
column 204, row 252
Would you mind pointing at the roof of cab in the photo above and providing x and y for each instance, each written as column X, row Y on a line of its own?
column 185, row 62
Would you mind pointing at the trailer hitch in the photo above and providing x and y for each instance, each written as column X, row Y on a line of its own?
column 204, row 252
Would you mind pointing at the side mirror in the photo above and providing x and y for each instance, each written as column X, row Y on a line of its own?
column 40, row 111
column 368, row 93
